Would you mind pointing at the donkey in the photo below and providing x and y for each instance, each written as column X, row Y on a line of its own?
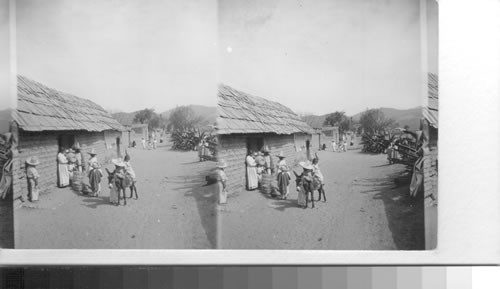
column 305, row 183
column 121, row 183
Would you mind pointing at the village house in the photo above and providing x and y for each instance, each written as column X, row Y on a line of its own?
column 138, row 132
column 430, row 127
column 323, row 134
column 47, row 119
column 249, row 123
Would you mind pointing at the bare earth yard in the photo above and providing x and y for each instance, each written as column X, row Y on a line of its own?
column 365, row 210
column 174, row 210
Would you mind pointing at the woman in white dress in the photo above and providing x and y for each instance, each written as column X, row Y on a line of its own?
column 252, row 179
column 62, row 169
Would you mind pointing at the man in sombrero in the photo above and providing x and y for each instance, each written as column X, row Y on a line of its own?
column 95, row 173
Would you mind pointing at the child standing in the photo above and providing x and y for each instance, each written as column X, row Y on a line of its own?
column 32, row 175
column 221, row 182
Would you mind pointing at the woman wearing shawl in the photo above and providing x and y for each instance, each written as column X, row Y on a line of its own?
column 283, row 176
column 252, row 179
column 62, row 169
column 95, row 173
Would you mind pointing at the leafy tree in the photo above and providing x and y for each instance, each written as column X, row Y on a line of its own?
column 338, row 119
column 374, row 121
column 149, row 117
column 183, row 118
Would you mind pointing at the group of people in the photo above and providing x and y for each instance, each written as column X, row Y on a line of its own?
column 69, row 161
column 259, row 163
column 152, row 143
column 342, row 145
column 70, row 164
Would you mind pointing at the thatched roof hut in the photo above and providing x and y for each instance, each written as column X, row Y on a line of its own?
column 248, row 123
column 47, row 119
column 40, row 108
column 240, row 112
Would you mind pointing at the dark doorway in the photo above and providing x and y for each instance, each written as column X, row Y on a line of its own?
column 66, row 141
column 118, row 144
column 254, row 144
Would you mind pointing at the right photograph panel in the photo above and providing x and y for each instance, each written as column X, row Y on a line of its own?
column 327, row 125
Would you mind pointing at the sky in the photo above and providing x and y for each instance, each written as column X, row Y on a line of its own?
column 6, row 99
column 124, row 55
column 319, row 56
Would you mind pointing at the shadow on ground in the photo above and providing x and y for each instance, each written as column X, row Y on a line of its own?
column 7, row 223
column 405, row 214
column 196, row 188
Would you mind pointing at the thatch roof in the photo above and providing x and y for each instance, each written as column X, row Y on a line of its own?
column 242, row 113
column 431, row 112
column 40, row 108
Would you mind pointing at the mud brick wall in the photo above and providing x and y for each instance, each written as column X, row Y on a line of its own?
column 233, row 149
column 44, row 145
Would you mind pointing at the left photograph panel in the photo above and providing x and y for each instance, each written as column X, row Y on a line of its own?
column 113, row 134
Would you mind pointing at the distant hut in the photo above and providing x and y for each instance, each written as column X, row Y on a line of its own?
column 249, row 123
column 139, row 131
column 47, row 119
column 430, row 126
column 323, row 134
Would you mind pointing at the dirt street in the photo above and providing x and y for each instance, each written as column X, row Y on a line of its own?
column 174, row 210
column 364, row 210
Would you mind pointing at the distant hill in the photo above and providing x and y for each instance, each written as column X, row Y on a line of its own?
column 410, row 117
column 209, row 114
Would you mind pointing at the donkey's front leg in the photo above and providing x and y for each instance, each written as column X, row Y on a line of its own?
column 312, row 200
column 124, row 196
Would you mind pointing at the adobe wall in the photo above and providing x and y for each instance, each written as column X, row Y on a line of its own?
column 44, row 145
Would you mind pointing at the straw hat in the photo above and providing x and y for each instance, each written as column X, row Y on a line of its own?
column 118, row 162
column 281, row 155
column 76, row 146
column 33, row 161
column 306, row 165
column 92, row 152
column 222, row 164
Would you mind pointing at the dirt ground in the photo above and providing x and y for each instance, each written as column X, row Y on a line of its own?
column 365, row 210
column 174, row 210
